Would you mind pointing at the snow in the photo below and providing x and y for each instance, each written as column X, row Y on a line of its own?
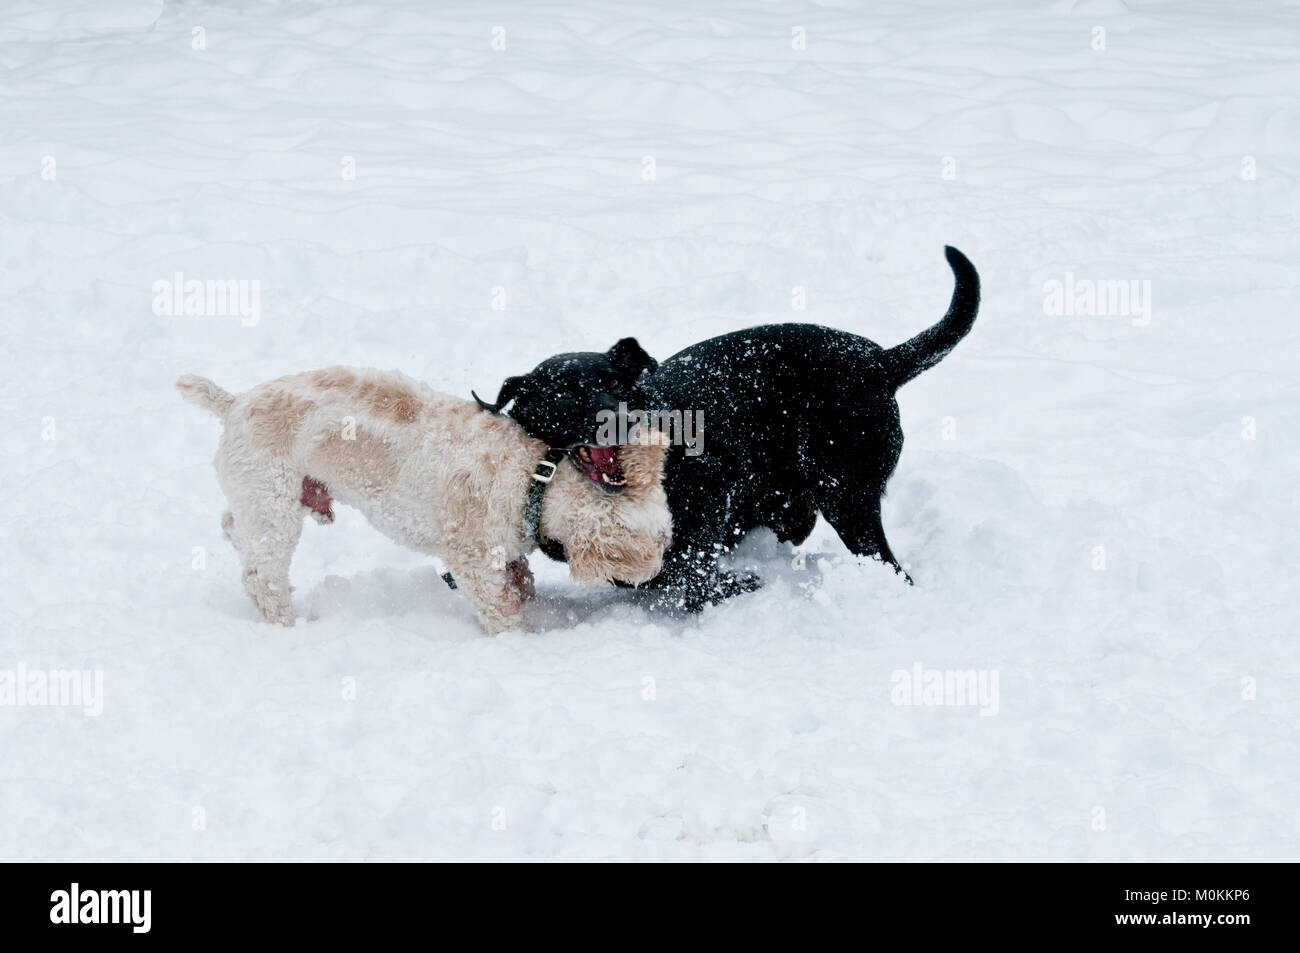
column 503, row 210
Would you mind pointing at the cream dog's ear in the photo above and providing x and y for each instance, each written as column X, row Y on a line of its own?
column 651, row 437
column 630, row 559
column 642, row 460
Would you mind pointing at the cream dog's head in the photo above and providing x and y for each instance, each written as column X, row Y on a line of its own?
column 619, row 536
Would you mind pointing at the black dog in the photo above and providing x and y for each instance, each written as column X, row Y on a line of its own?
column 799, row 420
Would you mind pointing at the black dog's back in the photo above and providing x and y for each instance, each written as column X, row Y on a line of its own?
column 787, row 409
column 740, row 372
column 774, row 401
column 769, row 394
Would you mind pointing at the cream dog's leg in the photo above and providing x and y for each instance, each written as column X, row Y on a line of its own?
column 497, row 594
column 264, row 526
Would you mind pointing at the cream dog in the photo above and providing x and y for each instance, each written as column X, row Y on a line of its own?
column 434, row 473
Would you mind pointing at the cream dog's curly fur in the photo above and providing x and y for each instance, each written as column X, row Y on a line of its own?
column 431, row 471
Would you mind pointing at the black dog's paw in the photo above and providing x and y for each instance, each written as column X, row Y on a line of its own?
column 898, row 569
column 721, row 587
column 682, row 597
column 733, row 584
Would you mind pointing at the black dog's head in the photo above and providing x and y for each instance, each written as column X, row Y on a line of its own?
column 564, row 399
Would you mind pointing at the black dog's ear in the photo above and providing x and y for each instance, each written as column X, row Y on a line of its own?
column 630, row 360
column 509, row 391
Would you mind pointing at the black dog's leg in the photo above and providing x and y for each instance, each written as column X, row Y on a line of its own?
column 688, row 585
column 856, row 517
column 727, row 584
column 696, row 583
column 691, row 578
column 705, row 516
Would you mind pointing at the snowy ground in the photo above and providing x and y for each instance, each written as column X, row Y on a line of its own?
column 1145, row 710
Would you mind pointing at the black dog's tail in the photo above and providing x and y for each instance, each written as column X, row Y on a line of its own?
column 932, row 345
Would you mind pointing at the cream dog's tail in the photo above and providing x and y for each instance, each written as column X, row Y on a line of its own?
column 204, row 393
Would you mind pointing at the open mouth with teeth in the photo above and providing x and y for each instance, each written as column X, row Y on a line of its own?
column 601, row 464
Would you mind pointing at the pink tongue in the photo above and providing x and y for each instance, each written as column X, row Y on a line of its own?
column 605, row 458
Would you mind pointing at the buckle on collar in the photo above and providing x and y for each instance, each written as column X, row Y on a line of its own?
column 541, row 477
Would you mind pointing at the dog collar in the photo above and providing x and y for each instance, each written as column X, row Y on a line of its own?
column 543, row 473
